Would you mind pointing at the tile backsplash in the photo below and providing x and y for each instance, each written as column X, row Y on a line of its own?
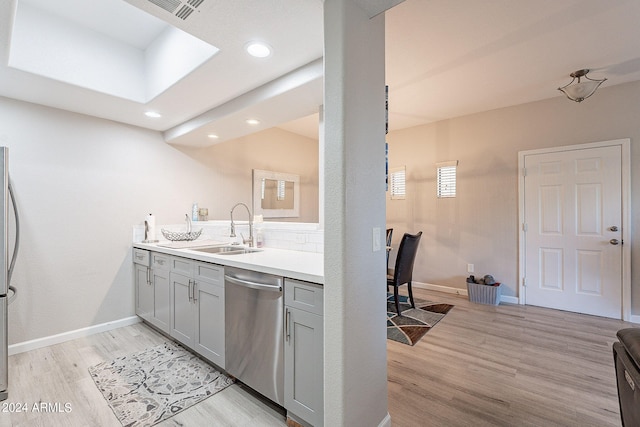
column 296, row 236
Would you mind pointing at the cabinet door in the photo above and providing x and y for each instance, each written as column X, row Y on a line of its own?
column 160, row 315
column 303, row 360
column 182, row 315
column 304, row 295
column 209, row 321
column 144, row 291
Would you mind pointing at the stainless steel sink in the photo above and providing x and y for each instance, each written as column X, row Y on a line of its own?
column 226, row 250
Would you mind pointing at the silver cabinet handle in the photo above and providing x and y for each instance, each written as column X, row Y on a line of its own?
column 149, row 276
column 190, row 290
column 253, row 285
column 286, row 324
column 195, row 291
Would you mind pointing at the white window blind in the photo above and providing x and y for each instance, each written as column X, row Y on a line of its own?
column 446, row 174
column 281, row 190
column 397, row 183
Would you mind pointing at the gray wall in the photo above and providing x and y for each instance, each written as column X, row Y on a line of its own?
column 82, row 182
column 480, row 226
column 274, row 150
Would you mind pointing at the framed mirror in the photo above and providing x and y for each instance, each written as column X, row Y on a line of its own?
column 276, row 194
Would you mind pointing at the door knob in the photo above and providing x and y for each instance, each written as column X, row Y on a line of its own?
column 614, row 241
column 613, row 228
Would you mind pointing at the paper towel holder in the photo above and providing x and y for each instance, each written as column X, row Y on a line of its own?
column 146, row 234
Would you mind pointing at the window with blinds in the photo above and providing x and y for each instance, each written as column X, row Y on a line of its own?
column 446, row 178
column 397, row 183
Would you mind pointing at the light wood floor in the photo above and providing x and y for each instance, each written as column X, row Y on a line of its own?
column 480, row 366
column 58, row 374
column 509, row 365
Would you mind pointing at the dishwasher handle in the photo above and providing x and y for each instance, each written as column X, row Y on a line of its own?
column 253, row 285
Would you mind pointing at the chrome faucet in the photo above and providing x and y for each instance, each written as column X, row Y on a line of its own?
column 233, row 226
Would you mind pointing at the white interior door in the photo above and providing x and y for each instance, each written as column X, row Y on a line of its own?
column 573, row 230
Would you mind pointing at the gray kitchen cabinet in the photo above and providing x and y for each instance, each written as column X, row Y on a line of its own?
column 144, row 291
column 209, row 300
column 143, row 286
column 197, row 307
column 152, row 287
column 181, row 308
column 303, row 352
column 160, row 285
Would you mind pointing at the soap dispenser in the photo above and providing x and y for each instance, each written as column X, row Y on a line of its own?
column 194, row 211
column 257, row 231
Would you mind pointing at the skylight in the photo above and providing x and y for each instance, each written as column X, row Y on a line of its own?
column 108, row 46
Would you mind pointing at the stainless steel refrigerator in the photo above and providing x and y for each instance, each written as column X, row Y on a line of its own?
column 7, row 292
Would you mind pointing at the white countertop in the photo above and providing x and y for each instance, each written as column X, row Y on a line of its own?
column 308, row 266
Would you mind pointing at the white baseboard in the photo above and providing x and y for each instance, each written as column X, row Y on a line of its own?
column 634, row 318
column 440, row 288
column 510, row 300
column 71, row 335
column 386, row 422
column 458, row 291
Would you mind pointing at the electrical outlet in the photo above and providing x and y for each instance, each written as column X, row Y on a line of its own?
column 469, row 268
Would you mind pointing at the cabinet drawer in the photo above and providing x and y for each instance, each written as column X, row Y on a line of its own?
column 210, row 272
column 182, row 266
column 304, row 295
column 160, row 261
column 140, row 256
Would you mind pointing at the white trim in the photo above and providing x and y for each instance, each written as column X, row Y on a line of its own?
column 71, row 335
column 449, row 163
column 386, row 421
column 458, row 291
column 509, row 299
column 625, row 172
column 634, row 318
column 626, row 228
column 440, row 288
column 521, row 230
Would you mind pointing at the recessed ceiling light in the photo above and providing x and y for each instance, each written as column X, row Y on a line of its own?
column 258, row 49
column 213, row 136
column 153, row 114
column 253, row 122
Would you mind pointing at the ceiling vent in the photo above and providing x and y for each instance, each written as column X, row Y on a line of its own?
column 180, row 8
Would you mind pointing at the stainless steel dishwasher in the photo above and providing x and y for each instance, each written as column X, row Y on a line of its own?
column 254, row 337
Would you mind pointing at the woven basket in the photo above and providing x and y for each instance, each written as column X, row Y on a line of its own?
column 181, row 235
column 484, row 294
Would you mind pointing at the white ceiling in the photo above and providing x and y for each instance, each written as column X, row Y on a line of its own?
column 444, row 59
column 292, row 27
column 451, row 58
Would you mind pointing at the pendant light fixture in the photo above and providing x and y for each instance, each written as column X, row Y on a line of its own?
column 581, row 90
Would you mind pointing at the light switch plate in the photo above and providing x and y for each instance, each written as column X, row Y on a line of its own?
column 377, row 239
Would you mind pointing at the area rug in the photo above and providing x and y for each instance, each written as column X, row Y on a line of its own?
column 150, row 386
column 414, row 322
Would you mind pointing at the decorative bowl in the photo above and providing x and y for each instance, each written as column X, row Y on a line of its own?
column 181, row 235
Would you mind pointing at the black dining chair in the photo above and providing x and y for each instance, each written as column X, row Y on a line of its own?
column 403, row 273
